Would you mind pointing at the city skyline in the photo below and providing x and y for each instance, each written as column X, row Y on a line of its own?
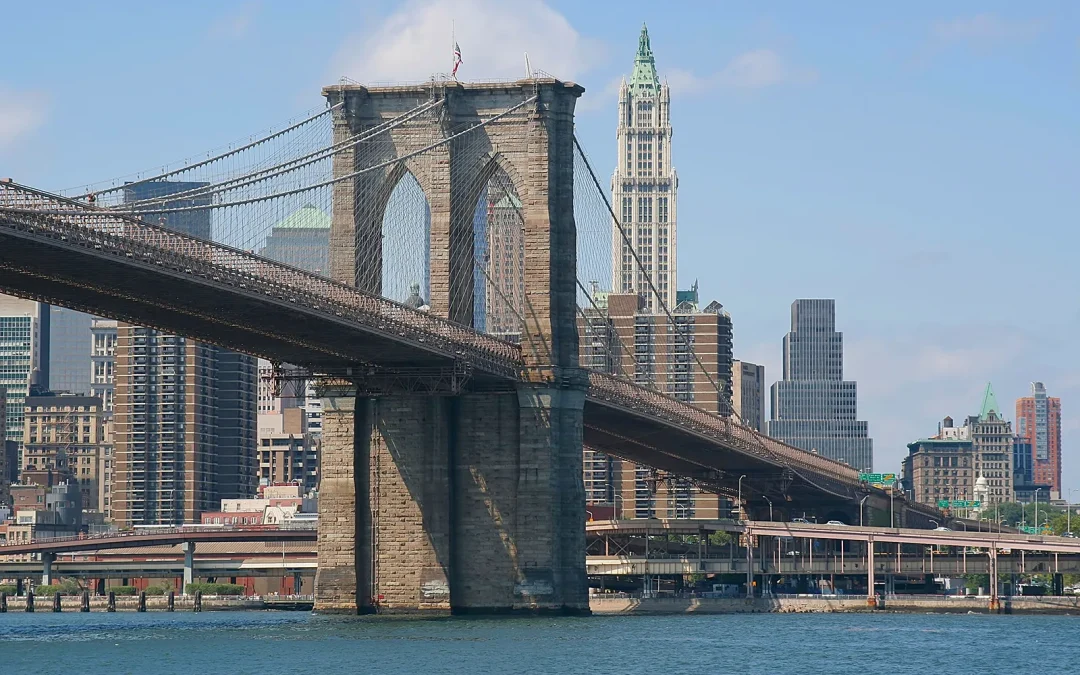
column 945, row 134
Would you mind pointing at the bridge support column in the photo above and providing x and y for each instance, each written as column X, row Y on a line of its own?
column 189, row 564
column 47, row 559
column 343, row 578
column 410, row 451
column 519, row 503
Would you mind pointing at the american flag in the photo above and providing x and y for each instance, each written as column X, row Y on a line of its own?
column 457, row 58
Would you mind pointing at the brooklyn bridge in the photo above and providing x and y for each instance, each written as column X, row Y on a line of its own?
column 453, row 427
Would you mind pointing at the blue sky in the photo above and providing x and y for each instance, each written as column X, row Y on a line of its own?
column 917, row 161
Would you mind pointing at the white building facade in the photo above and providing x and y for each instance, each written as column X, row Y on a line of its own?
column 644, row 186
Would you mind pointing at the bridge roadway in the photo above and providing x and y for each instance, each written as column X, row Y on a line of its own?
column 70, row 254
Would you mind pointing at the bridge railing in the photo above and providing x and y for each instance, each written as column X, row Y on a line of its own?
column 655, row 404
column 132, row 238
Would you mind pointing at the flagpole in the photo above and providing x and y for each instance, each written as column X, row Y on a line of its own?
column 453, row 44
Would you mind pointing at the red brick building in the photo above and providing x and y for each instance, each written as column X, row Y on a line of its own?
column 1038, row 420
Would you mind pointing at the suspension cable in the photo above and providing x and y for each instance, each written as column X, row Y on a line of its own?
column 284, row 167
column 338, row 179
column 211, row 160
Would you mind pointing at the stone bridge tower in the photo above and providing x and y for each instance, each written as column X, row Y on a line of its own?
column 471, row 499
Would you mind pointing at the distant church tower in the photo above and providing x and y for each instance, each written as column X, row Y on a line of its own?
column 645, row 185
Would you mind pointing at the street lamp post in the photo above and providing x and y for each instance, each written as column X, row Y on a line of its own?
column 770, row 506
column 892, row 513
column 936, row 523
column 861, row 502
column 740, row 496
column 1037, row 509
column 1068, row 512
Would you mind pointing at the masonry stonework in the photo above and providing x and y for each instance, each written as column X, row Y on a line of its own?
column 471, row 501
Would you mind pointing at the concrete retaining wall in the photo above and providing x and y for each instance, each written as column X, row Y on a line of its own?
column 1032, row 605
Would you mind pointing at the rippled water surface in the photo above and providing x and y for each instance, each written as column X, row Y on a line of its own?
column 268, row 642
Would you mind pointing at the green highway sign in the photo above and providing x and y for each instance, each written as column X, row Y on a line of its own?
column 1028, row 529
column 879, row 479
column 958, row 504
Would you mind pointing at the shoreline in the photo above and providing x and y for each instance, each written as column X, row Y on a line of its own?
column 601, row 606
column 913, row 604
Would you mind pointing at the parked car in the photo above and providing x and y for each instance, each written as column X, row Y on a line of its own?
column 801, row 521
column 836, row 522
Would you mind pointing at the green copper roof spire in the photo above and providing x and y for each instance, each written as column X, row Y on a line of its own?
column 644, row 79
column 989, row 403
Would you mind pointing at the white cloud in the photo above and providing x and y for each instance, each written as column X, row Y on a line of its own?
column 755, row 69
column 417, row 41
column 763, row 68
column 237, row 23
column 21, row 113
column 986, row 29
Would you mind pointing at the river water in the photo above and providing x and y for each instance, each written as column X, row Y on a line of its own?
column 267, row 643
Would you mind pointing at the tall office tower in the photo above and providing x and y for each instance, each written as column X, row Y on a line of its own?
column 185, row 425
column 4, row 468
column 302, row 240
column 504, row 284
column 644, row 185
column 748, row 393
column 24, row 359
column 63, row 429
column 194, row 223
column 69, row 351
column 992, row 441
column 1038, row 419
column 620, row 336
column 184, row 412
column 103, row 362
column 813, row 408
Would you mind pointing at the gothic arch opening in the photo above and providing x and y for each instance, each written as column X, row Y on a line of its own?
column 499, row 252
column 404, row 241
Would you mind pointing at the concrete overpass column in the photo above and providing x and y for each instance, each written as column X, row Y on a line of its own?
column 343, row 579
column 189, row 564
column 749, row 564
column 871, row 598
column 47, row 559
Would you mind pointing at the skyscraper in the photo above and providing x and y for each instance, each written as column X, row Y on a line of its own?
column 1038, row 420
column 184, row 412
column 194, row 223
column 103, row 362
column 644, row 185
column 992, row 441
column 748, row 393
column 24, row 357
column 619, row 336
column 302, row 239
column 813, row 407
column 69, row 350
column 184, row 427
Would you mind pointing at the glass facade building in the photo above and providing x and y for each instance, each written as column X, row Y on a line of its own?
column 24, row 358
column 69, row 350
column 194, row 223
column 813, row 407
